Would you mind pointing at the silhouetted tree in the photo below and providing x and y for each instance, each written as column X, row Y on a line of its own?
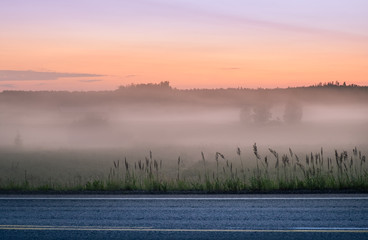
column 293, row 112
column 261, row 114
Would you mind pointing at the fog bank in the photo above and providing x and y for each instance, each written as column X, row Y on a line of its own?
column 157, row 115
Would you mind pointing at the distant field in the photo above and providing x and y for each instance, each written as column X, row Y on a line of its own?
column 153, row 137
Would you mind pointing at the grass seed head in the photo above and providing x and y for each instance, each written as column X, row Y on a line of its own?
column 255, row 151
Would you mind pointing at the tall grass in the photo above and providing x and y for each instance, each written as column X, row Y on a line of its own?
column 314, row 171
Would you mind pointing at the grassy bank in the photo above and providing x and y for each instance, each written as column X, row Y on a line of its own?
column 256, row 172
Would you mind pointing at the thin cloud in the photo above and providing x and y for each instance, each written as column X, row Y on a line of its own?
column 186, row 10
column 90, row 80
column 130, row 76
column 13, row 75
column 40, row 84
column 8, row 85
column 295, row 28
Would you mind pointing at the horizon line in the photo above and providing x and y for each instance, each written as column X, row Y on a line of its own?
column 157, row 86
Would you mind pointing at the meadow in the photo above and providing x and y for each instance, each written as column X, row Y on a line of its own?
column 247, row 169
column 152, row 137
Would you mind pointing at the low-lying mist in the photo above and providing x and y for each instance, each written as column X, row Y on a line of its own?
column 132, row 118
column 153, row 137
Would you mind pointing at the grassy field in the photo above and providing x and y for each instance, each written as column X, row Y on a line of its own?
column 230, row 171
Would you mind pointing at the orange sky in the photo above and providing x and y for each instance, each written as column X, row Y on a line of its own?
column 187, row 44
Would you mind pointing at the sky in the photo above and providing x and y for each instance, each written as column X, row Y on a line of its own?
column 83, row 45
